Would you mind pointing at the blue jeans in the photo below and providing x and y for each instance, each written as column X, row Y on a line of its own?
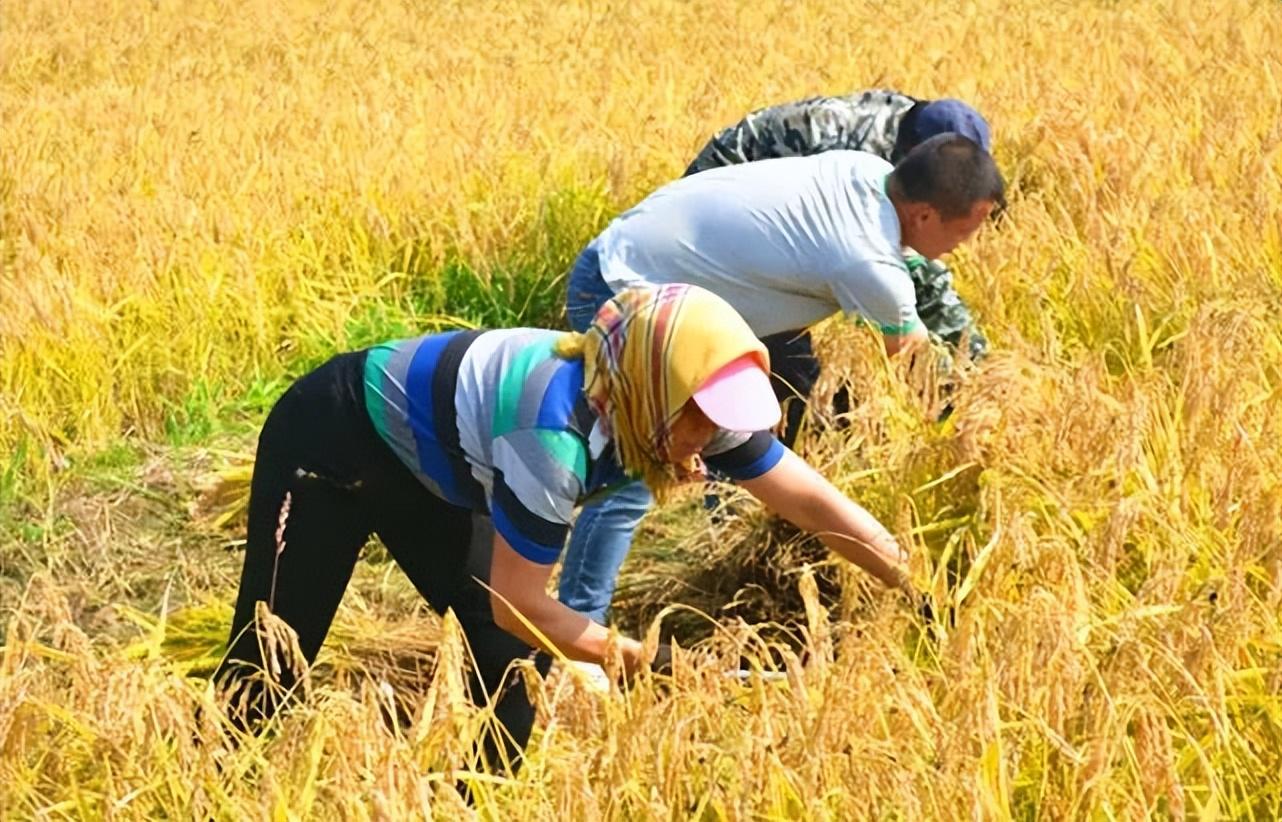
column 586, row 290
column 602, row 534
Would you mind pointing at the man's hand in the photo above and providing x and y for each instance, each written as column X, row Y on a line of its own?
column 896, row 343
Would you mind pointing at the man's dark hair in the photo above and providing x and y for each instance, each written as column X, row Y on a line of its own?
column 951, row 173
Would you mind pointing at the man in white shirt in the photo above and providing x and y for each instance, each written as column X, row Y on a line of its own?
column 787, row 243
column 884, row 122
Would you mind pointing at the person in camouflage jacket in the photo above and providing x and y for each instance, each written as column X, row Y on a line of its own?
column 882, row 122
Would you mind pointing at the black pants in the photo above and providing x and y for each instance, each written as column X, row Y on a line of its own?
column 794, row 372
column 345, row 483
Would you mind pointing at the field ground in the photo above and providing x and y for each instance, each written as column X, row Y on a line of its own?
column 202, row 200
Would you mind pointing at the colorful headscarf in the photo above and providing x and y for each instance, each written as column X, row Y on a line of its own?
column 646, row 353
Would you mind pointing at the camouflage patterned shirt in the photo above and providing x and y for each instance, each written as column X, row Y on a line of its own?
column 868, row 121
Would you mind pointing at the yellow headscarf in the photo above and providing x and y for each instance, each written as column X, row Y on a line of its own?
column 645, row 354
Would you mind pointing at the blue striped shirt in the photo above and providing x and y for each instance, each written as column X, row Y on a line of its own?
column 495, row 421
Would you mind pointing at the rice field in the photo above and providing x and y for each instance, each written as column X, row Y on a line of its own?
column 202, row 200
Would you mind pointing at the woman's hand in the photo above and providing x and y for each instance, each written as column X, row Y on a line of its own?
column 522, row 607
column 802, row 496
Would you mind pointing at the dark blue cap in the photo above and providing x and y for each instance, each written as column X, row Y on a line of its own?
column 941, row 116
